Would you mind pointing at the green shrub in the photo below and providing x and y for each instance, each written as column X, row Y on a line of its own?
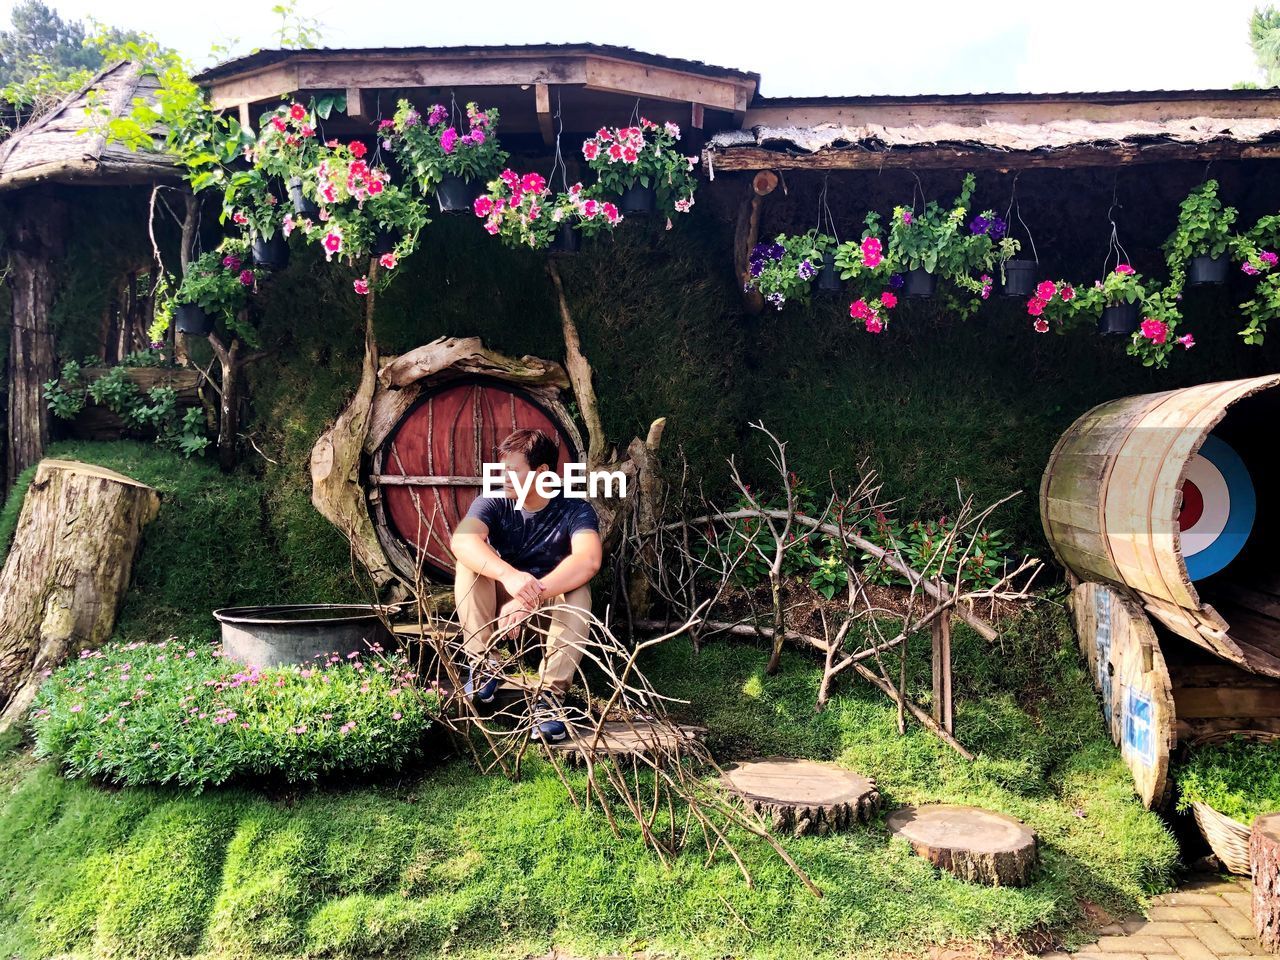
column 1239, row 778
column 137, row 713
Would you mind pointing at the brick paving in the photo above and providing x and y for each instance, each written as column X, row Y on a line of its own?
column 1207, row 919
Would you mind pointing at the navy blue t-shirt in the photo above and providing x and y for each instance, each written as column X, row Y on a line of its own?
column 534, row 540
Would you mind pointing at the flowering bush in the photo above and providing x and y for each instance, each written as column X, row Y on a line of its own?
column 176, row 713
column 433, row 147
column 646, row 155
column 249, row 202
column 522, row 211
column 785, row 268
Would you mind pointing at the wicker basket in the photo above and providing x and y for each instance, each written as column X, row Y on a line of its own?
column 1228, row 838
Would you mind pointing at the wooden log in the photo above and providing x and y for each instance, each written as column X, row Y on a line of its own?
column 67, row 571
column 1264, row 860
column 1132, row 679
column 626, row 738
column 980, row 846
column 804, row 796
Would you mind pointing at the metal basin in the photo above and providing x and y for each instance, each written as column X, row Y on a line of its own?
column 296, row 633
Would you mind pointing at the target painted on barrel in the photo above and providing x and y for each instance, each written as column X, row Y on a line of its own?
column 1218, row 508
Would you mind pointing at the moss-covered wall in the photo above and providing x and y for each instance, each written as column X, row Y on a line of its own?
column 932, row 401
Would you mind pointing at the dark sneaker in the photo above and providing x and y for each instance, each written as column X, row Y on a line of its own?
column 482, row 681
column 547, row 723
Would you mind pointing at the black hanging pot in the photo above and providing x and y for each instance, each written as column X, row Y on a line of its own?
column 301, row 203
column 1119, row 319
column 566, row 241
column 1205, row 270
column 919, row 283
column 1020, row 278
column 384, row 241
column 638, row 199
column 273, row 253
column 829, row 277
column 455, row 195
column 191, row 319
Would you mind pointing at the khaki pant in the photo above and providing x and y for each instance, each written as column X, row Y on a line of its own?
column 478, row 599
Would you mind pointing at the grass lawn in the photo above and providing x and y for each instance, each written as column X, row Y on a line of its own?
column 447, row 861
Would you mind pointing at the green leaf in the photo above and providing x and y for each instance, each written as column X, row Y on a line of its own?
column 324, row 106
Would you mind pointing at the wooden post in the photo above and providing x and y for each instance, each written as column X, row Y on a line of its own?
column 942, row 701
column 1264, row 862
column 37, row 236
column 747, row 233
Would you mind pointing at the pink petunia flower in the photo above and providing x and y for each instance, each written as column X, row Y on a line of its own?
column 871, row 253
column 246, row 278
column 1035, row 306
column 1157, row 331
column 448, row 139
column 1268, row 257
column 1067, row 292
column 860, row 310
column 298, row 111
column 874, row 324
column 1041, row 325
column 590, row 149
column 361, row 286
column 906, row 216
column 387, row 260
column 889, row 299
column 483, row 206
column 1124, row 269
column 1046, row 290
column 1186, row 341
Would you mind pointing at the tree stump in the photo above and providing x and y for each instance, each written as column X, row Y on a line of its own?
column 67, row 571
column 804, row 796
column 1264, row 858
column 977, row 845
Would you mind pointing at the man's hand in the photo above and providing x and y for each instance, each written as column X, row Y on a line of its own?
column 511, row 615
column 523, row 586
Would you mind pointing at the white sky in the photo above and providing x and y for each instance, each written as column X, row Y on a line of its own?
column 818, row 47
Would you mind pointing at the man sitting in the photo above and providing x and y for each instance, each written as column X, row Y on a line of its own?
column 511, row 561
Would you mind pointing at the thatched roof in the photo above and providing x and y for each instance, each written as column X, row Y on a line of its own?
column 1001, row 130
column 52, row 149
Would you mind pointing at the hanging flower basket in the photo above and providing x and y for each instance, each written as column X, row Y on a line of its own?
column 567, row 241
column 1020, row 278
column 1119, row 319
column 1205, row 270
column 920, row 283
column 192, row 319
column 829, row 277
column 301, row 203
column 456, row 195
column 638, row 199
column 272, row 253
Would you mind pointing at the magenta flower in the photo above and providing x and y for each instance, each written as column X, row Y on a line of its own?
column 1268, row 257
column 1250, row 269
column 1157, row 331
column 874, row 324
column 246, row 278
column 448, row 139
column 1041, row 325
column 231, row 262
column 906, row 216
column 361, row 286
column 1035, row 306
column 871, row 252
column 1186, row 341
column 1046, row 290
column 1124, row 269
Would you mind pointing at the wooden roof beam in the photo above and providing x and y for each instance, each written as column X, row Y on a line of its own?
column 542, row 101
column 758, row 158
column 658, row 83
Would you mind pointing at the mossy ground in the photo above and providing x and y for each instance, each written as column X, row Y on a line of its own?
column 447, row 860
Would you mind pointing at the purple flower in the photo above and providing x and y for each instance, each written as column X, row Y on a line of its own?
column 231, row 262
column 757, row 267
column 1249, row 268
column 776, row 251
column 438, row 113
column 979, row 224
column 805, row 270
column 998, row 227
column 896, row 281
column 448, row 139
column 412, row 118
column 477, row 136
column 776, row 299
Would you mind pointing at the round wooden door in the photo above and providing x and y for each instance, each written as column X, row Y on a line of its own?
column 429, row 469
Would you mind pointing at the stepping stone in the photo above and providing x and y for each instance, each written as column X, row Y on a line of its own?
column 623, row 738
column 803, row 796
column 980, row 846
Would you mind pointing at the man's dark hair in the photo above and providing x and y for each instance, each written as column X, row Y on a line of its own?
column 538, row 448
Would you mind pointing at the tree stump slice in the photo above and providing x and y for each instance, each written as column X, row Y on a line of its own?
column 803, row 796
column 623, row 738
column 67, row 571
column 980, row 846
column 1264, row 858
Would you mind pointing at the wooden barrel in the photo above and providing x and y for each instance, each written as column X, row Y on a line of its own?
column 1110, row 501
column 428, row 469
